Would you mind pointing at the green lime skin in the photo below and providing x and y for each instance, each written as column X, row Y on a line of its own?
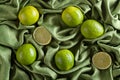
column 64, row 59
column 92, row 29
column 72, row 16
column 26, row 54
column 28, row 15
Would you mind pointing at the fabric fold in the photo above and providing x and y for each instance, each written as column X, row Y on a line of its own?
column 14, row 34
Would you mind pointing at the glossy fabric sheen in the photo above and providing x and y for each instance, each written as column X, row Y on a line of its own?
column 13, row 34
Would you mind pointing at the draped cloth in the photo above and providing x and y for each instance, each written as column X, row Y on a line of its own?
column 13, row 34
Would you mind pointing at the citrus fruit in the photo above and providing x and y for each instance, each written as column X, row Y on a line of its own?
column 26, row 54
column 101, row 60
column 28, row 15
column 91, row 29
column 64, row 59
column 72, row 16
column 42, row 36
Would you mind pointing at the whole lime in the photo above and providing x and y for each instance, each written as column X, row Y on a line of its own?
column 92, row 29
column 28, row 15
column 26, row 54
column 64, row 59
column 72, row 16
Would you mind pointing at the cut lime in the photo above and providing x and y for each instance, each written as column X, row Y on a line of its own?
column 102, row 60
column 42, row 36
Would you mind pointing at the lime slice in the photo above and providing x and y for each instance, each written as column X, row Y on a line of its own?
column 92, row 29
column 42, row 36
column 102, row 60
column 64, row 59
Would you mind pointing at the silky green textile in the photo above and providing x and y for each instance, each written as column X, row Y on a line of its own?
column 13, row 34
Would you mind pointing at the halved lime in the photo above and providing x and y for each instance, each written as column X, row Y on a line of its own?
column 42, row 36
column 102, row 60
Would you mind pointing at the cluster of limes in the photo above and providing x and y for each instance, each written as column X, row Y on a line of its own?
column 71, row 16
column 26, row 54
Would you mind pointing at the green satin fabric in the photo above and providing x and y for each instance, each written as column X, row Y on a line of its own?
column 13, row 34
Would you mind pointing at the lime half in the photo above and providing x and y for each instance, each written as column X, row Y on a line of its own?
column 102, row 60
column 42, row 36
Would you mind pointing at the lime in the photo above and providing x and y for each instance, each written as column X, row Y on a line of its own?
column 72, row 16
column 28, row 15
column 92, row 29
column 42, row 36
column 26, row 54
column 102, row 60
column 64, row 59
